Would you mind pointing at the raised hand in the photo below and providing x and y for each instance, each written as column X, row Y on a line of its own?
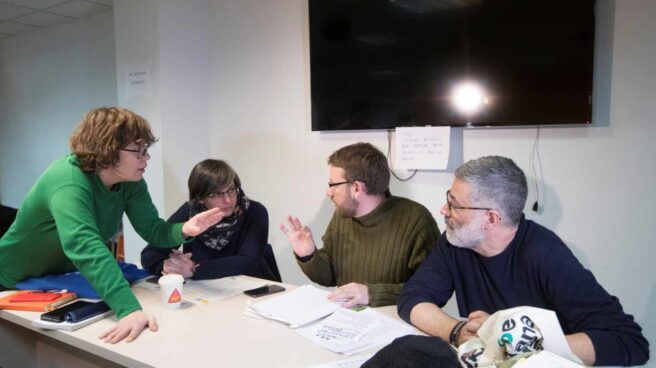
column 199, row 223
column 353, row 293
column 299, row 236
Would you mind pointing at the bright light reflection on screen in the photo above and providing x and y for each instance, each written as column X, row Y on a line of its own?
column 468, row 98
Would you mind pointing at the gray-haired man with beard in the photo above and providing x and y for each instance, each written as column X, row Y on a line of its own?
column 374, row 242
column 495, row 259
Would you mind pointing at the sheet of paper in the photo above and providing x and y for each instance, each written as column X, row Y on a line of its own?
column 346, row 363
column 207, row 291
column 547, row 359
column 341, row 330
column 137, row 80
column 422, row 148
column 298, row 307
column 349, row 332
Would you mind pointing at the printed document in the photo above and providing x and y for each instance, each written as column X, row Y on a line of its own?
column 350, row 332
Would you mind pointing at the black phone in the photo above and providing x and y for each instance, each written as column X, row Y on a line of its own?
column 264, row 290
column 155, row 280
column 58, row 315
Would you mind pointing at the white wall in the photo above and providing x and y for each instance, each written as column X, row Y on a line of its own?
column 49, row 79
column 171, row 38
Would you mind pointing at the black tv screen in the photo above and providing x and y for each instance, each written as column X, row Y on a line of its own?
column 380, row 64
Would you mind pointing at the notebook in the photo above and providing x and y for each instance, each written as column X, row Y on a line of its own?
column 35, row 301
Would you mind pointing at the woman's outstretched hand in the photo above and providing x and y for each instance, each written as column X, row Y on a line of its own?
column 199, row 223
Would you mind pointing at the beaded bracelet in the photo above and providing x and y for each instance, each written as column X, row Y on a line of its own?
column 453, row 336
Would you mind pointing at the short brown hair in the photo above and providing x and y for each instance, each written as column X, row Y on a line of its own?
column 103, row 132
column 209, row 176
column 365, row 163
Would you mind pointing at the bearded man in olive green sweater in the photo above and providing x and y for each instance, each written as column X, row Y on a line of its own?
column 374, row 241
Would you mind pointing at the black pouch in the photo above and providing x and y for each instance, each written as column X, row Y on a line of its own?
column 86, row 312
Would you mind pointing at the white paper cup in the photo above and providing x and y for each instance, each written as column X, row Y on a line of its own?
column 171, row 290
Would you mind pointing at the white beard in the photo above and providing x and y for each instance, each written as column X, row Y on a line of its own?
column 468, row 236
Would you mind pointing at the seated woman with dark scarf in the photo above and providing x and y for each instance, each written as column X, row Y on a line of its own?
column 233, row 246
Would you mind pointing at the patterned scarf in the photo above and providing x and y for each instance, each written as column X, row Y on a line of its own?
column 218, row 236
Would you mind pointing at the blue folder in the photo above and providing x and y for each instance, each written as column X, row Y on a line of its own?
column 76, row 283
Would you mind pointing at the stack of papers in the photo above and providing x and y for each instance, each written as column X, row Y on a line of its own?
column 350, row 332
column 296, row 308
column 68, row 326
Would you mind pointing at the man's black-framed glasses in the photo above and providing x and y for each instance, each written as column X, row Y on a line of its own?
column 456, row 207
column 331, row 185
column 141, row 151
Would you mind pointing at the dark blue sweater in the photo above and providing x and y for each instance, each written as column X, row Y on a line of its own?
column 536, row 269
column 244, row 255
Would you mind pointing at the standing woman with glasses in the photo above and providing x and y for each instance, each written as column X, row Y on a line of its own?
column 77, row 205
column 234, row 246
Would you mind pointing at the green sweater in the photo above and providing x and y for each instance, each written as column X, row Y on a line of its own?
column 381, row 249
column 64, row 222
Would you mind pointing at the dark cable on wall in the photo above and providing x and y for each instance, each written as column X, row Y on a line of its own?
column 536, row 153
column 389, row 158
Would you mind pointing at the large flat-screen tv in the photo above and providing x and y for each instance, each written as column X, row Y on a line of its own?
column 380, row 64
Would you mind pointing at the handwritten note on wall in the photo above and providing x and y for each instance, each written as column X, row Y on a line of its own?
column 422, row 148
column 137, row 80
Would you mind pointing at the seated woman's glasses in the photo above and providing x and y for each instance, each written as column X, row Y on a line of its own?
column 230, row 193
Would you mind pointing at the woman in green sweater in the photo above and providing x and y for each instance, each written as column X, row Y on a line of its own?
column 76, row 206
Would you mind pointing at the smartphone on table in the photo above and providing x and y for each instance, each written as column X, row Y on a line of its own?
column 58, row 315
column 264, row 290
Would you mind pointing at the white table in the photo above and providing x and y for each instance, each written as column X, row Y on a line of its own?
column 216, row 334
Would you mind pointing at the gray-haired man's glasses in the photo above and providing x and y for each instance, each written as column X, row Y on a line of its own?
column 456, row 207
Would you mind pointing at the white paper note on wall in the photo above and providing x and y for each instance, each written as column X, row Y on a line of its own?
column 137, row 81
column 422, row 148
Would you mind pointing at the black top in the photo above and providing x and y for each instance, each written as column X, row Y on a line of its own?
column 536, row 269
column 244, row 255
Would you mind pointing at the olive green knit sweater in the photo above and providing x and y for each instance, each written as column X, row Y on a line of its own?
column 381, row 249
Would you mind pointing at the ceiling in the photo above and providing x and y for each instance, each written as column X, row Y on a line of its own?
column 23, row 16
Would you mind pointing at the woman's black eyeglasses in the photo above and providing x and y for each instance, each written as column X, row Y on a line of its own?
column 231, row 192
column 141, row 151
